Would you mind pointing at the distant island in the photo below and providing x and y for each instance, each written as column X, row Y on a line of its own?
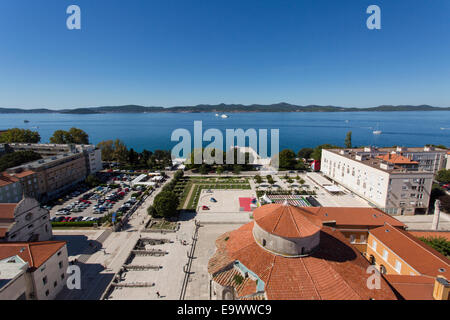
column 224, row 108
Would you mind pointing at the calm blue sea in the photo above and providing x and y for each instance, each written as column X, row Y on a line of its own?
column 297, row 130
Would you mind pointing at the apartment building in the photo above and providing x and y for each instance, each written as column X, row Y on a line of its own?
column 92, row 154
column 55, row 174
column 45, row 263
column 414, row 269
column 24, row 221
column 10, row 189
column 390, row 182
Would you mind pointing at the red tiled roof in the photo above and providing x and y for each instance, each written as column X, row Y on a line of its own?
column 396, row 159
column 370, row 217
column 286, row 221
column 431, row 234
column 412, row 287
column 414, row 252
column 23, row 174
column 335, row 271
column 6, row 180
column 7, row 210
column 3, row 232
column 35, row 253
column 227, row 278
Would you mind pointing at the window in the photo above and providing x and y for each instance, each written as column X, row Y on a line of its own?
column 362, row 238
column 352, row 238
column 382, row 269
column 44, row 280
column 385, row 254
column 374, row 245
column 59, row 253
column 55, row 284
column 398, row 266
column 60, row 264
column 264, row 242
column 62, row 276
column 47, row 293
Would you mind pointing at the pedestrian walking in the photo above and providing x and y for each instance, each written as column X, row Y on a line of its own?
column 157, row 293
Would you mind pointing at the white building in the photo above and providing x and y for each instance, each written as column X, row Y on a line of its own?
column 45, row 263
column 13, row 278
column 24, row 221
column 390, row 182
column 92, row 154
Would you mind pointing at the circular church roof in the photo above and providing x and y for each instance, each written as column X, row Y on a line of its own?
column 286, row 221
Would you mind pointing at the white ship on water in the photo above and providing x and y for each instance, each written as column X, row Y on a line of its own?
column 377, row 131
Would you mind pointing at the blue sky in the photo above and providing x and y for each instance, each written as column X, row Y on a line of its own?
column 173, row 52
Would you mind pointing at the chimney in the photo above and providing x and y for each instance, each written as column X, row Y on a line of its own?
column 441, row 289
column 437, row 213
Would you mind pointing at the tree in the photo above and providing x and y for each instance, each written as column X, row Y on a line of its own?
column 78, row 136
column 16, row 135
column 258, row 178
column 305, row 153
column 348, row 140
column 120, row 151
column 287, row 159
column 107, row 148
column 439, row 244
column 219, row 170
column 15, row 159
column 443, row 176
column 92, row 181
column 237, row 169
column 166, row 203
column 203, row 169
column 152, row 211
column 74, row 135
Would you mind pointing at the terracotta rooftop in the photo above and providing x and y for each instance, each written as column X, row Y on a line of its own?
column 3, row 232
column 369, row 217
column 6, row 180
column 336, row 271
column 412, row 287
column 21, row 174
column 7, row 210
column 414, row 252
column 35, row 253
column 286, row 221
column 430, row 234
column 227, row 278
column 396, row 159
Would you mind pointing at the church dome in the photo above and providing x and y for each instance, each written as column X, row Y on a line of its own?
column 286, row 230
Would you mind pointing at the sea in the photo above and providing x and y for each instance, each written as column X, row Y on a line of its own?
column 298, row 130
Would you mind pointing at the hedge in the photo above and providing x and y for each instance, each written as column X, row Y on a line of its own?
column 73, row 224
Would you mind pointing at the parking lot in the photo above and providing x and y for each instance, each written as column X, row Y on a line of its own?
column 93, row 204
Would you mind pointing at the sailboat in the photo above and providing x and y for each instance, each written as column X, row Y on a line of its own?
column 224, row 116
column 378, row 131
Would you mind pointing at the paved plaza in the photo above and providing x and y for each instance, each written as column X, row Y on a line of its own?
column 198, row 285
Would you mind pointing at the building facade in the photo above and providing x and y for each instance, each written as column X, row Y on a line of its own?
column 46, row 272
column 55, row 174
column 392, row 183
column 92, row 154
column 24, row 221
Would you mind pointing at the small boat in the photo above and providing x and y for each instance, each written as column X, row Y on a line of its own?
column 377, row 131
column 26, row 121
column 217, row 114
column 224, row 116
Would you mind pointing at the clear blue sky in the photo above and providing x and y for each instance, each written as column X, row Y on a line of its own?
column 174, row 52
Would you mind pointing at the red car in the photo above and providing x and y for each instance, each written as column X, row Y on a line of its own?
column 205, row 208
column 66, row 219
column 72, row 219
